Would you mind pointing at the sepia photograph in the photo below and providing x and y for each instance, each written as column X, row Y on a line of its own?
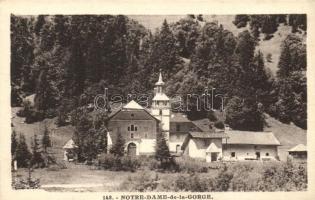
column 159, row 103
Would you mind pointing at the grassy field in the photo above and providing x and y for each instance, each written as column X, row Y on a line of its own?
column 87, row 178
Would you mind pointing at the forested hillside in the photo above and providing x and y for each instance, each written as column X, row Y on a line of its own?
column 67, row 60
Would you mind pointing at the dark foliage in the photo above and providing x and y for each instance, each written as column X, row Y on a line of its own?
column 67, row 60
column 22, row 154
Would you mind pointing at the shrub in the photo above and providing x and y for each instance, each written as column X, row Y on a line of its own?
column 219, row 124
column 189, row 165
column 223, row 180
column 20, row 183
column 191, row 183
column 212, row 116
column 129, row 164
column 245, row 177
column 50, row 113
column 116, row 163
column 33, row 116
column 142, row 183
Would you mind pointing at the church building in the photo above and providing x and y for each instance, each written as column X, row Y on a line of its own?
column 197, row 139
column 139, row 127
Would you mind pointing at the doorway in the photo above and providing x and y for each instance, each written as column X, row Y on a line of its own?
column 214, row 157
column 132, row 149
column 258, row 155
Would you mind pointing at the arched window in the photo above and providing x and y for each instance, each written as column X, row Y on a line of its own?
column 132, row 128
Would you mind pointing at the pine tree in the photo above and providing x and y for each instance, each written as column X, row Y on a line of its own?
column 46, row 139
column 162, row 152
column 164, row 53
column 23, row 154
column 36, row 159
column 14, row 143
column 291, row 92
column 118, row 148
column 240, row 21
column 242, row 114
column 40, row 22
column 102, row 144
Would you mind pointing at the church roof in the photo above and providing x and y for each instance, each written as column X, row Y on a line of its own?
column 133, row 115
column 133, row 105
column 160, row 97
column 251, row 137
column 298, row 148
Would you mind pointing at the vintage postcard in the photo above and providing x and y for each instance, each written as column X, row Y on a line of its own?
column 205, row 100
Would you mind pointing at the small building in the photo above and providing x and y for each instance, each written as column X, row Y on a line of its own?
column 250, row 145
column 204, row 145
column 70, row 151
column 298, row 153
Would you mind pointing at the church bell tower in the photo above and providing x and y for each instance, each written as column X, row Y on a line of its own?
column 161, row 106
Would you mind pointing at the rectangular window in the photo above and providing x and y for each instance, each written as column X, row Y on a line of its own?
column 177, row 127
column 136, row 128
column 232, row 154
column 131, row 135
column 160, row 112
column 132, row 128
column 128, row 128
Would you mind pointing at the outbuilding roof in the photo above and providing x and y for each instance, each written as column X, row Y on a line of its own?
column 298, row 148
column 70, row 145
column 251, row 137
column 179, row 117
column 203, row 124
column 213, row 148
column 197, row 134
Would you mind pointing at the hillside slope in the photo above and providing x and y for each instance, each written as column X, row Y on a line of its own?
column 289, row 135
column 58, row 135
column 271, row 46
